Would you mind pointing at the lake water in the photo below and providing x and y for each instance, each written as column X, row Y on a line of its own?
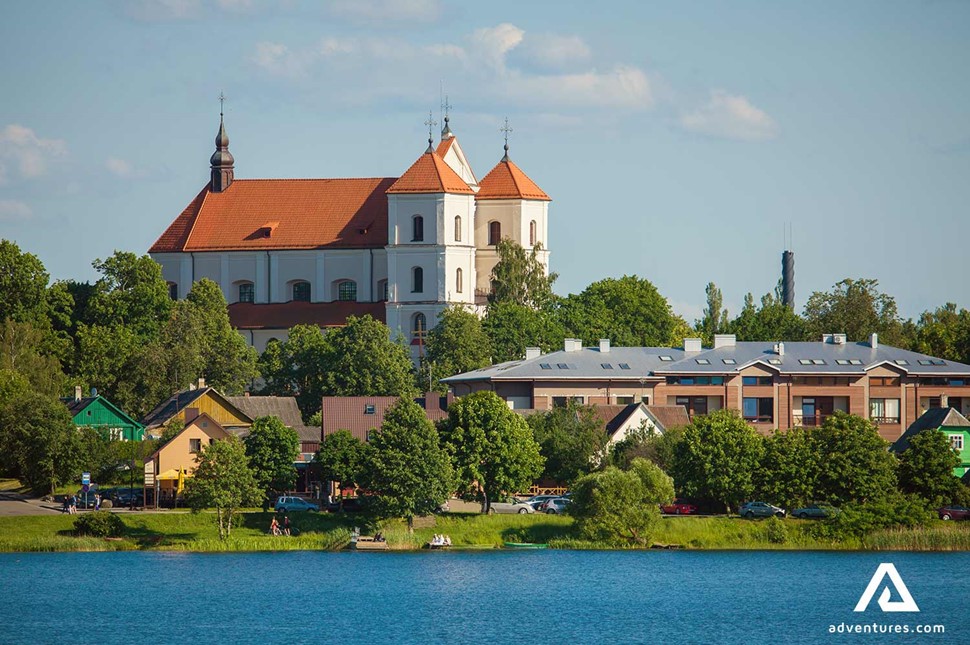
column 473, row 597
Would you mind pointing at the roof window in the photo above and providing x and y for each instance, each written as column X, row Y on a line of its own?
column 774, row 361
column 729, row 361
column 818, row 361
column 666, row 359
column 804, row 361
column 937, row 361
column 702, row 361
column 855, row 361
column 545, row 366
column 369, row 408
column 562, row 366
column 842, row 361
column 606, row 366
column 924, row 362
column 901, row 361
column 624, row 366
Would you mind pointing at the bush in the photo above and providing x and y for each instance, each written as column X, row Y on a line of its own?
column 99, row 524
column 857, row 520
column 775, row 530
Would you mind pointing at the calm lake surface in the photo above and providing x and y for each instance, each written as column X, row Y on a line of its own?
column 486, row 597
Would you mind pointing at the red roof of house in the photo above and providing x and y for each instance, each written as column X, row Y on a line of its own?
column 430, row 174
column 361, row 414
column 507, row 181
column 284, row 315
column 283, row 214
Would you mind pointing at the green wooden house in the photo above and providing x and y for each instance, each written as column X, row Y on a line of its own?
column 951, row 423
column 99, row 413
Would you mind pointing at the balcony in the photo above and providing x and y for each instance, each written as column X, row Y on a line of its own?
column 764, row 418
column 885, row 421
column 809, row 421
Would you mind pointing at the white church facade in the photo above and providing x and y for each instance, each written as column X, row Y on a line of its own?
column 315, row 251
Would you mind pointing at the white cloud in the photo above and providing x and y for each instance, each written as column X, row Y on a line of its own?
column 26, row 152
column 12, row 210
column 119, row 167
column 730, row 117
column 477, row 67
column 386, row 11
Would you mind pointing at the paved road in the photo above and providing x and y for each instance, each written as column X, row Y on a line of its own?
column 12, row 504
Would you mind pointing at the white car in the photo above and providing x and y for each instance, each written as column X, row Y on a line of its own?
column 514, row 506
column 555, row 506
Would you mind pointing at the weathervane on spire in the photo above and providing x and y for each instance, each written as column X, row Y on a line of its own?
column 506, row 129
column 222, row 100
column 446, row 106
column 430, row 123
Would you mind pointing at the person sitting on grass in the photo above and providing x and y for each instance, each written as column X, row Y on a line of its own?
column 274, row 527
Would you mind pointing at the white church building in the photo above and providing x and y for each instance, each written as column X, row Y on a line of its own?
column 315, row 251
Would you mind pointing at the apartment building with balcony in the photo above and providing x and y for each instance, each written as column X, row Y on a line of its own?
column 772, row 385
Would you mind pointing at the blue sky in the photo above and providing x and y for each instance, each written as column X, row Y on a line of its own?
column 676, row 139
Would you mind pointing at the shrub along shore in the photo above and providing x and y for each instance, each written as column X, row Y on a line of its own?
column 175, row 531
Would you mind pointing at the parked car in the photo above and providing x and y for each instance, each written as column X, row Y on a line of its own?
column 85, row 500
column 537, row 501
column 678, row 507
column 122, row 497
column 511, row 506
column 814, row 512
column 760, row 509
column 954, row 513
column 556, row 506
column 350, row 505
column 294, row 504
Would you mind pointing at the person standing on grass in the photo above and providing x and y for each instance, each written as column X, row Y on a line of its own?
column 286, row 524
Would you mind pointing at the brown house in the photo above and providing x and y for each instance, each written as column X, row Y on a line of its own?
column 362, row 415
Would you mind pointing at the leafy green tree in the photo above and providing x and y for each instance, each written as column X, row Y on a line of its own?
column 222, row 480
column 296, row 367
column 945, row 332
column 773, row 321
column 132, row 293
column 23, row 283
column 406, row 467
column 854, row 461
column 855, row 307
column 621, row 506
column 38, row 442
column 512, row 327
column 341, row 457
column 571, row 439
column 455, row 345
column 491, row 447
column 788, row 472
column 519, row 277
column 629, row 311
column 718, row 458
column 926, row 468
column 362, row 360
column 272, row 448
column 658, row 447
column 20, row 350
column 715, row 319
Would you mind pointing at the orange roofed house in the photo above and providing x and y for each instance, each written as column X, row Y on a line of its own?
column 314, row 251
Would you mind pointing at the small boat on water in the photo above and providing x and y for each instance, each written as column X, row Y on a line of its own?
column 525, row 545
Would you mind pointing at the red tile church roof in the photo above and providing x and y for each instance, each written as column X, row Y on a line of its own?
column 507, row 181
column 430, row 174
column 282, row 214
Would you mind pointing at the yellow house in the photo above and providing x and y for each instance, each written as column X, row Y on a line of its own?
column 197, row 400
column 176, row 459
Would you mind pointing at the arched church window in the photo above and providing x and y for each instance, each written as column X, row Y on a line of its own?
column 532, row 233
column 417, row 280
column 173, row 291
column 347, row 291
column 458, row 228
column 247, row 292
column 458, row 281
column 417, row 223
column 301, row 291
column 494, row 233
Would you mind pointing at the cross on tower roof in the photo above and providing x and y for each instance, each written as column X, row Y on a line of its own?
column 430, row 123
column 506, row 129
column 446, row 106
column 222, row 100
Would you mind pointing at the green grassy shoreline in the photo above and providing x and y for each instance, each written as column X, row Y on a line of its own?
column 176, row 531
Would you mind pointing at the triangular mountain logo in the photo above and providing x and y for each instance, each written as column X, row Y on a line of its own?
column 905, row 603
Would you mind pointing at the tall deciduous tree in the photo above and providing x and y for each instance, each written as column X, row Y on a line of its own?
column 772, row 321
column 571, row 439
column 854, row 461
column 856, row 307
column 455, row 345
column 296, row 367
column 491, row 447
column 406, row 468
column 363, row 360
column 519, row 277
column 341, row 457
column 21, row 350
column 272, row 449
column 629, row 311
column 512, row 327
column 945, row 332
column 23, row 282
column 223, row 481
column 717, row 458
column 715, row 320
column 789, row 469
column 131, row 292
column 926, row 468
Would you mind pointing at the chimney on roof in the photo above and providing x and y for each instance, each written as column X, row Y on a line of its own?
column 572, row 344
column 692, row 345
column 725, row 340
column 432, row 401
column 604, row 345
column 532, row 352
column 874, row 340
column 77, row 392
column 944, row 401
column 834, row 339
column 780, row 349
column 201, row 382
column 191, row 414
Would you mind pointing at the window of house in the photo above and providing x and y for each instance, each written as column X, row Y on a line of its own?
column 532, row 233
column 369, row 408
column 347, row 291
column 562, row 366
column 606, row 366
column 804, row 361
column 458, row 280
column 624, row 400
column 563, row 401
column 884, row 410
column 417, row 280
column 956, row 441
column 173, row 291
column 116, row 434
column 758, row 409
column 841, row 361
column 666, row 359
column 195, row 445
column 883, row 381
column 301, row 291
column 246, row 292
column 417, row 225
column 694, row 404
column 729, row 361
column 458, row 228
column 901, row 361
column 755, row 380
column 494, row 233
column 383, row 288
column 774, row 361
column 624, row 366
column 420, row 326
column 545, row 366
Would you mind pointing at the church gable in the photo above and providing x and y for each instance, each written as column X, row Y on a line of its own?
column 450, row 151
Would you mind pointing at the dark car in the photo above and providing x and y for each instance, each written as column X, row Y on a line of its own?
column 350, row 505
column 122, row 497
column 760, row 509
column 954, row 513
column 679, row 507
column 814, row 512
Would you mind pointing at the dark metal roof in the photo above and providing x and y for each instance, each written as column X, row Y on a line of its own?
column 932, row 419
